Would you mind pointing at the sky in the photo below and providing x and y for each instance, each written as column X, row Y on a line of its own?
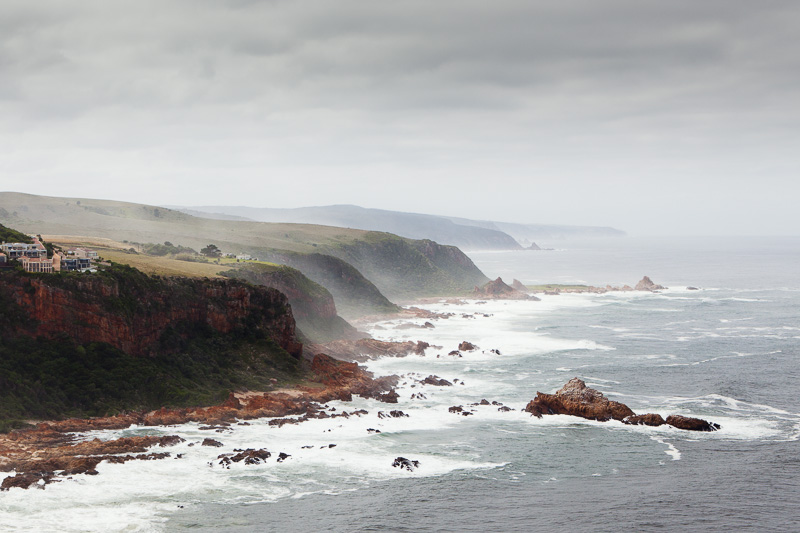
column 654, row 117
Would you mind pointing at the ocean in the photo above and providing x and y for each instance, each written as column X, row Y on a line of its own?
column 727, row 353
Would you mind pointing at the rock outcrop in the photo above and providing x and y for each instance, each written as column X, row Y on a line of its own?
column 365, row 349
column 576, row 399
column 691, row 424
column 650, row 419
column 646, row 284
column 499, row 290
column 517, row 285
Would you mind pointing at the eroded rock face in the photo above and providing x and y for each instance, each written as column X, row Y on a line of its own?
column 691, row 424
column 646, row 284
column 353, row 378
column 576, row 399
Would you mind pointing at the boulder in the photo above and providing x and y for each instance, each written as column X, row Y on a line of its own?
column 691, row 424
column 576, row 399
column 211, row 442
column 467, row 346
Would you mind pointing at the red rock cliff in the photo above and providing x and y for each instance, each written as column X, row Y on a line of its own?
column 135, row 312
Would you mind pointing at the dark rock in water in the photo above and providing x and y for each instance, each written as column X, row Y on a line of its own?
column 646, row 284
column 576, row 399
column 25, row 480
column 392, row 414
column 388, row 397
column 466, row 346
column 373, row 430
column 306, row 447
column 485, row 402
column 402, row 462
column 456, row 409
column 650, row 419
column 283, row 456
column 692, row 289
column 437, row 381
column 691, row 424
column 211, row 442
column 504, row 409
column 455, row 353
column 495, row 351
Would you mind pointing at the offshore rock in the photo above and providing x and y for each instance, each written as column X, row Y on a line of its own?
column 691, row 424
column 576, row 399
column 650, row 419
column 407, row 464
column 499, row 290
column 518, row 286
column 436, row 381
column 466, row 346
column 646, row 284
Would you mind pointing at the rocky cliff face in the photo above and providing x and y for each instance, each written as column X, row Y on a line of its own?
column 312, row 305
column 406, row 269
column 139, row 314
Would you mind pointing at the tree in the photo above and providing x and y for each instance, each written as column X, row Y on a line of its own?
column 211, row 251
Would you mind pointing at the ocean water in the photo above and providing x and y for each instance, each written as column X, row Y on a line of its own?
column 727, row 353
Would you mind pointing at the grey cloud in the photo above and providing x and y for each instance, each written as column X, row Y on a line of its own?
column 573, row 92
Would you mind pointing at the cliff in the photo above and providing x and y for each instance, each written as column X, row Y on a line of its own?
column 118, row 340
column 404, row 268
column 142, row 315
column 312, row 305
column 355, row 295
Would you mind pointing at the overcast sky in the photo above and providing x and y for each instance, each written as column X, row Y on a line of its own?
column 654, row 117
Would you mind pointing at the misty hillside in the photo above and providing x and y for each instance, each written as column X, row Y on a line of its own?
column 465, row 233
column 359, row 268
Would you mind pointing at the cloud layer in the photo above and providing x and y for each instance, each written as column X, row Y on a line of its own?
column 650, row 116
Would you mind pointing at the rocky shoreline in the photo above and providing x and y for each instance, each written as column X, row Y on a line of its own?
column 56, row 450
column 53, row 450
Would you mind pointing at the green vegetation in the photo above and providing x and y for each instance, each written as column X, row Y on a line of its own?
column 312, row 305
column 12, row 235
column 211, row 251
column 191, row 363
column 167, row 248
column 45, row 379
